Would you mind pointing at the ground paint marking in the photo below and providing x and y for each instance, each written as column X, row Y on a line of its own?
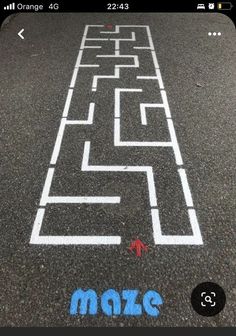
column 159, row 238
column 96, row 77
column 89, row 121
column 85, row 302
column 138, row 246
column 148, row 170
column 45, row 198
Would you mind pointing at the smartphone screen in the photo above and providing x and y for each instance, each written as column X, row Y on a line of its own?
column 117, row 170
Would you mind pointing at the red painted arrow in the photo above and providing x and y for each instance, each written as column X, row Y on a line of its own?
column 138, row 246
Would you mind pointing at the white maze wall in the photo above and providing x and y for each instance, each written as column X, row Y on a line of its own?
column 104, row 35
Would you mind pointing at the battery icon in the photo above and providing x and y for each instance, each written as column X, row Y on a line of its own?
column 224, row 5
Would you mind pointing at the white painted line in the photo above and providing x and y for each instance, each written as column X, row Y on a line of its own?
column 151, row 187
column 165, row 103
column 159, row 78
column 84, row 37
column 185, row 186
column 156, row 226
column 117, row 98
column 86, row 167
column 119, row 169
column 85, row 159
column 84, row 199
column 143, row 144
column 91, row 113
column 142, row 48
column 92, row 47
column 77, row 240
column 74, row 76
column 116, row 131
column 144, row 169
column 37, row 226
column 178, row 240
column 144, row 113
column 150, row 38
column 89, row 66
column 135, row 57
column 67, row 103
column 125, row 39
column 117, row 44
column 58, row 142
column 117, row 56
column 148, row 105
column 78, row 61
column 160, row 239
column 47, row 186
column 89, row 121
column 93, row 26
column 86, row 30
column 133, row 26
column 97, row 39
column 154, row 57
column 117, row 29
column 135, row 65
column 195, row 226
column 117, row 105
column 96, row 77
column 82, row 45
column 119, row 143
column 178, row 157
column 146, row 77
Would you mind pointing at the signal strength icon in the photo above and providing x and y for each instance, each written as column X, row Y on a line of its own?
column 10, row 6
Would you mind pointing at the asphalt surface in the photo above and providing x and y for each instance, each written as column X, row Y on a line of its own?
column 198, row 71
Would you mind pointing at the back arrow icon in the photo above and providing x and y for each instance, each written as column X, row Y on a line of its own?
column 20, row 34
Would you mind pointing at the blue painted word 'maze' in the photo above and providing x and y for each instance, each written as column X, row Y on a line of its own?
column 86, row 302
